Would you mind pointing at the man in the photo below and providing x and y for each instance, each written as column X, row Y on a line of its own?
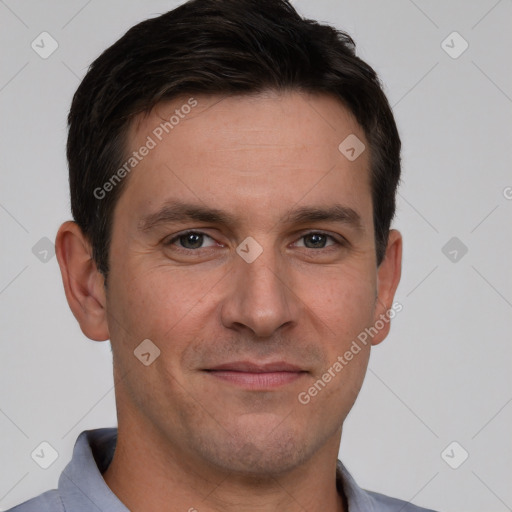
column 233, row 170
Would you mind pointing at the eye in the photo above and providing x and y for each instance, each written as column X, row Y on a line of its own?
column 192, row 240
column 315, row 240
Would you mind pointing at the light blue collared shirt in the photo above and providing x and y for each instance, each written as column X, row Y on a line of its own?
column 82, row 488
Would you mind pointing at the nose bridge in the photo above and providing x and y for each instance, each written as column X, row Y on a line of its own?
column 260, row 297
column 262, row 277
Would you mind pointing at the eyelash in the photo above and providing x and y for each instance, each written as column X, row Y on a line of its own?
column 340, row 242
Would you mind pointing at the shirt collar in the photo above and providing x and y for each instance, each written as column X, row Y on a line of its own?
column 81, row 484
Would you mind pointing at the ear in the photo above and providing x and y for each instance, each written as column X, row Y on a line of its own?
column 388, row 277
column 83, row 283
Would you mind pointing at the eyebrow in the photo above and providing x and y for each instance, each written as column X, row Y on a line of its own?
column 334, row 213
column 178, row 211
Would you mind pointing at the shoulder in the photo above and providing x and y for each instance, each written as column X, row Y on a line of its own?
column 384, row 503
column 49, row 501
column 362, row 500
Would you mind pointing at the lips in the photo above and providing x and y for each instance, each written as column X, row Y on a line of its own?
column 257, row 376
column 247, row 366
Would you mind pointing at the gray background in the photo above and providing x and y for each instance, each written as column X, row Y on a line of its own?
column 443, row 374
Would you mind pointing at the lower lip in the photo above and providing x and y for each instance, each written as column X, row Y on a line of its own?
column 261, row 381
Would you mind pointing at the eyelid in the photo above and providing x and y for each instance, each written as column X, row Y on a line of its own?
column 337, row 239
column 177, row 236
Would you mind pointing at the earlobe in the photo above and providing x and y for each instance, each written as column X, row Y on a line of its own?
column 388, row 277
column 83, row 283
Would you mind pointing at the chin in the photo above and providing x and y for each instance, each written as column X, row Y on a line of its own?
column 267, row 455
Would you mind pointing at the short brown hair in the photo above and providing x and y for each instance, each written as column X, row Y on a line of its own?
column 227, row 47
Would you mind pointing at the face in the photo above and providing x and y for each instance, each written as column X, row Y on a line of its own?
column 243, row 248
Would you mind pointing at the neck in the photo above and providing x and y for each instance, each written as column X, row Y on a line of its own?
column 175, row 481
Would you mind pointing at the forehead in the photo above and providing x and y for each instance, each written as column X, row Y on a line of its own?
column 257, row 153
column 270, row 118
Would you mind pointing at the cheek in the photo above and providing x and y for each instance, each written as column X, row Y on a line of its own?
column 343, row 380
column 161, row 304
column 164, row 307
column 343, row 299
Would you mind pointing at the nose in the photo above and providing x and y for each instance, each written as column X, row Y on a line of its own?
column 260, row 297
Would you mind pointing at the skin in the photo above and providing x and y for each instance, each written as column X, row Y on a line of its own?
column 224, row 441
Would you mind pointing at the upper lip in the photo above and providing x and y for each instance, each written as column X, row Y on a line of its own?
column 251, row 367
